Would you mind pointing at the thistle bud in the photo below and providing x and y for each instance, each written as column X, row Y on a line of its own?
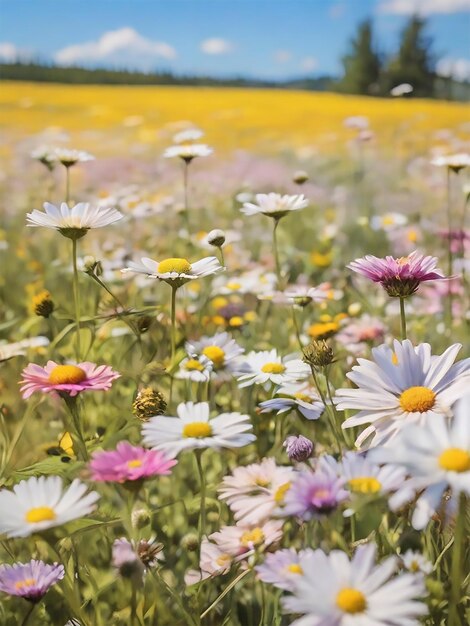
column 318, row 354
column 298, row 448
column 43, row 304
column 216, row 238
column 149, row 402
column 140, row 518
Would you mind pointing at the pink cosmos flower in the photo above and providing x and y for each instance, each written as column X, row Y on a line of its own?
column 128, row 463
column 399, row 277
column 68, row 379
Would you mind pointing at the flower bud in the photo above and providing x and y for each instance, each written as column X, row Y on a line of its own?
column 298, row 448
column 190, row 542
column 149, row 402
column 216, row 238
column 140, row 518
column 43, row 304
column 300, row 177
column 318, row 354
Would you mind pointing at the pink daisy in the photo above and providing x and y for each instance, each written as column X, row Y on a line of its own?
column 399, row 277
column 69, row 379
column 127, row 463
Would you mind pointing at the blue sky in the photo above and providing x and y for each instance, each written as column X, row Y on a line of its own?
column 263, row 38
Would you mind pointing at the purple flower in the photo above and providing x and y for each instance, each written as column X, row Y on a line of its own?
column 282, row 568
column 128, row 463
column 313, row 494
column 399, row 277
column 298, row 448
column 30, row 581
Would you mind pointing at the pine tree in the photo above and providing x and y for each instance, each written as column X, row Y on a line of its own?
column 414, row 62
column 362, row 65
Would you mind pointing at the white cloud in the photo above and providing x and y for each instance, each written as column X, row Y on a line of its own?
column 9, row 52
column 282, row 56
column 423, row 7
column 456, row 68
column 308, row 64
column 124, row 46
column 216, row 45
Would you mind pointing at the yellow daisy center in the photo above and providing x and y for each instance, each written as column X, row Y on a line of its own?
column 223, row 559
column 215, row 354
column 27, row 582
column 233, row 286
column 40, row 514
column 303, row 397
column 364, row 484
column 281, row 493
column 193, row 364
column 273, row 368
column 261, row 482
column 455, row 460
column 236, row 320
column 417, row 399
column 294, row 568
column 252, row 537
column 134, row 463
column 179, row 266
column 197, row 430
column 351, row 601
column 67, row 375
column 388, row 220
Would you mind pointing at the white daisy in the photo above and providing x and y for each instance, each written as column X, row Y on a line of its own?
column 388, row 221
column 46, row 156
column 73, row 221
column 190, row 134
column 261, row 368
column 195, row 367
column 334, row 591
column 256, row 281
column 255, row 492
column 415, row 562
column 402, row 386
column 362, row 476
column 455, row 162
column 188, row 152
column 194, row 429
column 175, row 271
column 70, row 157
column 274, row 205
column 401, row 90
column 19, row 348
column 436, row 456
column 222, row 351
column 243, row 540
column 39, row 503
column 302, row 397
column 300, row 295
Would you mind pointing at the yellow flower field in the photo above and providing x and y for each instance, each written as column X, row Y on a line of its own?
column 267, row 119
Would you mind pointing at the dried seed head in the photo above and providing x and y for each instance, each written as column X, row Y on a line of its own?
column 149, row 402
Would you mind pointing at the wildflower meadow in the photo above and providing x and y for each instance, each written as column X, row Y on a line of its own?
column 234, row 369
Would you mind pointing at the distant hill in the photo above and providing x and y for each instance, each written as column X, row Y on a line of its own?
column 39, row 72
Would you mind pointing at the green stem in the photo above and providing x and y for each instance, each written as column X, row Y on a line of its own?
column 297, row 329
column 222, row 258
column 133, row 605
column 173, row 324
column 202, row 481
column 329, row 409
column 456, row 568
column 67, row 185
column 76, row 299
column 276, row 254
column 403, row 318
column 76, row 428
column 186, row 194
column 28, row 615
column 225, row 592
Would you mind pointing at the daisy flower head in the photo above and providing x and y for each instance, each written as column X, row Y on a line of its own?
column 454, row 162
column 66, row 379
column 39, row 503
column 401, row 386
column 256, row 281
column 403, row 89
column 300, row 295
column 193, row 428
column 243, row 540
column 176, row 271
column 314, row 494
column 221, row 349
column 356, row 592
column 256, row 492
column 436, row 456
column 213, row 561
column 399, row 277
column 388, row 221
column 262, row 368
column 188, row 151
column 282, row 568
column 30, row 581
column 46, row 156
column 415, row 562
column 129, row 463
column 73, row 221
column 196, row 368
column 70, row 157
column 190, row 134
column 274, row 204
column 19, row 348
column 302, row 397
